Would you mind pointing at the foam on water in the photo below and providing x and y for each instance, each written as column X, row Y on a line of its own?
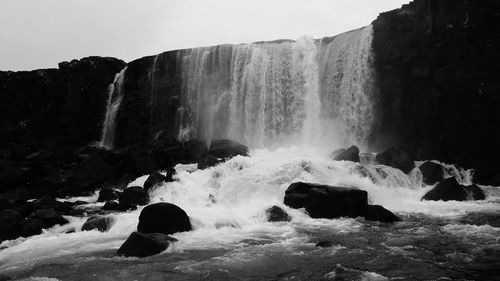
column 227, row 204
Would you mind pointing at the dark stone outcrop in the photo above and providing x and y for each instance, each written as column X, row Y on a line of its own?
column 40, row 219
column 436, row 69
column 226, row 149
column 9, row 222
column 133, row 196
column 379, row 213
column 276, row 214
column 101, row 224
column 153, row 180
column 163, row 218
column 350, row 154
column 145, row 244
column 208, row 162
column 107, row 194
column 474, row 192
column 324, row 244
column 448, row 189
column 324, row 201
column 396, row 157
column 57, row 107
column 113, row 206
column 431, row 172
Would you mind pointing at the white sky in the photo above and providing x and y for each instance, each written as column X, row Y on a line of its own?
column 41, row 33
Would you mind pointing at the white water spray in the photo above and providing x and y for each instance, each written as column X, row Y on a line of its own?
column 115, row 96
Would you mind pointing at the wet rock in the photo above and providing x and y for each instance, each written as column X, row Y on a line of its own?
column 107, row 194
column 208, row 162
column 324, row 244
column 47, row 202
column 12, row 177
column 194, row 150
column 396, row 157
column 153, row 180
column 31, row 226
column 9, row 222
column 163, row 218
column 448, row 189
column 145, row 244
column 276, row 214
column 49, row 217
column 112, row 206
column 101, row 224
column 431, row 172
column 350, row 154
column 474, row 192
column 323, row 201
column 133, row 196
column 379, row 213
column 227, row 149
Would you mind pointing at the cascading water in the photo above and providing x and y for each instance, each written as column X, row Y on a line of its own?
column 115, row 96
column 268, row 94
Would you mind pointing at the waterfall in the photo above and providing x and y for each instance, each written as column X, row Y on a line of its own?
column 115, row 97
column 271, row 93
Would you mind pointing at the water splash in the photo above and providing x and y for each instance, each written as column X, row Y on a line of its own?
column 285, row 92
column 115, row 96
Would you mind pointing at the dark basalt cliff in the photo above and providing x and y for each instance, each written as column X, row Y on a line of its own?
column 438, row 73
column 437, row 68
column 56, row 107
column 151, row 98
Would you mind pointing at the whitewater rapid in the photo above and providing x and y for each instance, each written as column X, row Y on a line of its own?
column 227, row 204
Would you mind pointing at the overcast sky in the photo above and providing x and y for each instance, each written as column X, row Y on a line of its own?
column 41, row 33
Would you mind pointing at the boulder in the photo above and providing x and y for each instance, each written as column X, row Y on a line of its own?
column 276, row 214
column 133, row 196
column 194, row 150
column 208, row 162
column 9, row 222
column 49, row 217
column 350, row 154
column 379, row 213
column 47, row 202
column 448, row 189
column 227, row 149
column 324, row 244
column 145, row 244
column 323, row 201
column 474, row 192
column 12, row 177
column 153, row 180
column 163, row 218
column 107, row 194
column 396, row 157
column 31, row 226
column 101, row 224
column 112, row 206
column 431, row 172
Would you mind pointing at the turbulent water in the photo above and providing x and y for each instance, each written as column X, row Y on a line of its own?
column 115, row 96
column 231, row 239
column 271, row 93
column 290, row 101
column 267, row 94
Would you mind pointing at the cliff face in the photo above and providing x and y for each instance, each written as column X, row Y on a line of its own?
column 152, row 92
column 56, row 107
column 438, row 70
